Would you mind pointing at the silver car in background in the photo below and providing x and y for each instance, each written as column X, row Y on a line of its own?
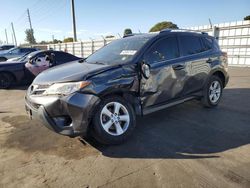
column 15, row 52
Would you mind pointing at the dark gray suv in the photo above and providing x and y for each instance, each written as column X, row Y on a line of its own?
column 136, row 75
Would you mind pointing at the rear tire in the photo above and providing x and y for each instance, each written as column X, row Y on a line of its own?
column 212, row 92
column 3, row 59
column 6, row 80
column 113, row 121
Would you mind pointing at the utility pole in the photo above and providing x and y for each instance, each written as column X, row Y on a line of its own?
column 31, row 29
column 14, row 35
column 6, row 36
column 28, row 12
column 73, row 19
column 210, row 23
column 12, row 39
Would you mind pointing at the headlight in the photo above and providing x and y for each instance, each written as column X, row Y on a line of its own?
column 65, row 88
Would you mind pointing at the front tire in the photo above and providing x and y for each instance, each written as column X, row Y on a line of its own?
column 212, row 92
column 114, row 121
column 3, row 59
column 6, row 80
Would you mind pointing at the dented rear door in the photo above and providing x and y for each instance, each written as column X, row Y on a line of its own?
column 167, row 73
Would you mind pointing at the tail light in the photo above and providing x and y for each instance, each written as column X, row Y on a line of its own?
column 224, row 54
column 225, row 59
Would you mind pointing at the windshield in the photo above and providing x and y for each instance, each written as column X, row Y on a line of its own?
column 28, row 55
column 118, row 51
column 23, row 58
column 10, row 50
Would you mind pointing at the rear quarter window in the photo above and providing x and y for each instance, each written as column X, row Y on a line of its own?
column 190, row 45
column 207, row 43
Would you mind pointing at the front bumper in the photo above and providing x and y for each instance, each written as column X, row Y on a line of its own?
column 68, row 115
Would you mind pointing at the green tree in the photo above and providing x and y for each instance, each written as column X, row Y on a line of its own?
column 247, row 17
column 30, row 36
column 69, row 39
column 56, row 41
column 127, row 31
column 44, row 42
column 163, row 25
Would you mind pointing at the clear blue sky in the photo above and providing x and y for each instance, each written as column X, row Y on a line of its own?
column 103, row 17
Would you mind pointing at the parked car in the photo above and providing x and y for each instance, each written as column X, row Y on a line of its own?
column 15, row 52
column 6, row 47
column 136, row 75
column 27, row 67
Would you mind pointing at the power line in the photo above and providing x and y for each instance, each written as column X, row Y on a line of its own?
column 21, row 17
column 50, row 12
column 40, row 6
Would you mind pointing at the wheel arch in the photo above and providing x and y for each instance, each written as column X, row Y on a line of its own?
column 219, row 73
column 2, row 57
column 10, row 73
column 129, row 96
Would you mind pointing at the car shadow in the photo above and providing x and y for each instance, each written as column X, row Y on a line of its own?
column 19, row 86
column 188, row 130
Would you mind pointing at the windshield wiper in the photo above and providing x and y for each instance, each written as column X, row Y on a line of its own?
column 95, row 62
column 99, row 63
column 82, row 60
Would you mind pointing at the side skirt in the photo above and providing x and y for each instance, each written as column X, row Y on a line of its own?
column 155, row 108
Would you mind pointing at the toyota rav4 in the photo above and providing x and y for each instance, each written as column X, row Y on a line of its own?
column 136, row 75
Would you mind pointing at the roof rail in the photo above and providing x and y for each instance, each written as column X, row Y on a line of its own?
column 182, row 30
column 134, row 34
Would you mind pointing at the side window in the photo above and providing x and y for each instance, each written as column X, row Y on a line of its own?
column 207, row 43
column 23, row 50
column 162, row 50
column 190, row 45
column 62, row 57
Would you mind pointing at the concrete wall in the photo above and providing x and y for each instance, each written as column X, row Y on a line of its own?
column 233, row 38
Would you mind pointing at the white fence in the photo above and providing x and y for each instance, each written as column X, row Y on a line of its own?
column 233, row 37
column 81, row 49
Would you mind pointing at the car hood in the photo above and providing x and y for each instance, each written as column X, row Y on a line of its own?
column 69, row 72
column 3, row 52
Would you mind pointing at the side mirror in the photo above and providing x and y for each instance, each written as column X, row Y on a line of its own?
column 145, row 68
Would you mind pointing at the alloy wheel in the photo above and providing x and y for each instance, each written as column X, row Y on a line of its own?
column 115, row 118
column 214, row 91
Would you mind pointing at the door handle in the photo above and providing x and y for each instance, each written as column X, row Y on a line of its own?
column 178, row 67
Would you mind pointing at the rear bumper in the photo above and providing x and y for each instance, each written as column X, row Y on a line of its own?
column 68, row 116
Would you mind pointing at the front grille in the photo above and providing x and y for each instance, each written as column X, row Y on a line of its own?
column 38, row 89
column 40, row 92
